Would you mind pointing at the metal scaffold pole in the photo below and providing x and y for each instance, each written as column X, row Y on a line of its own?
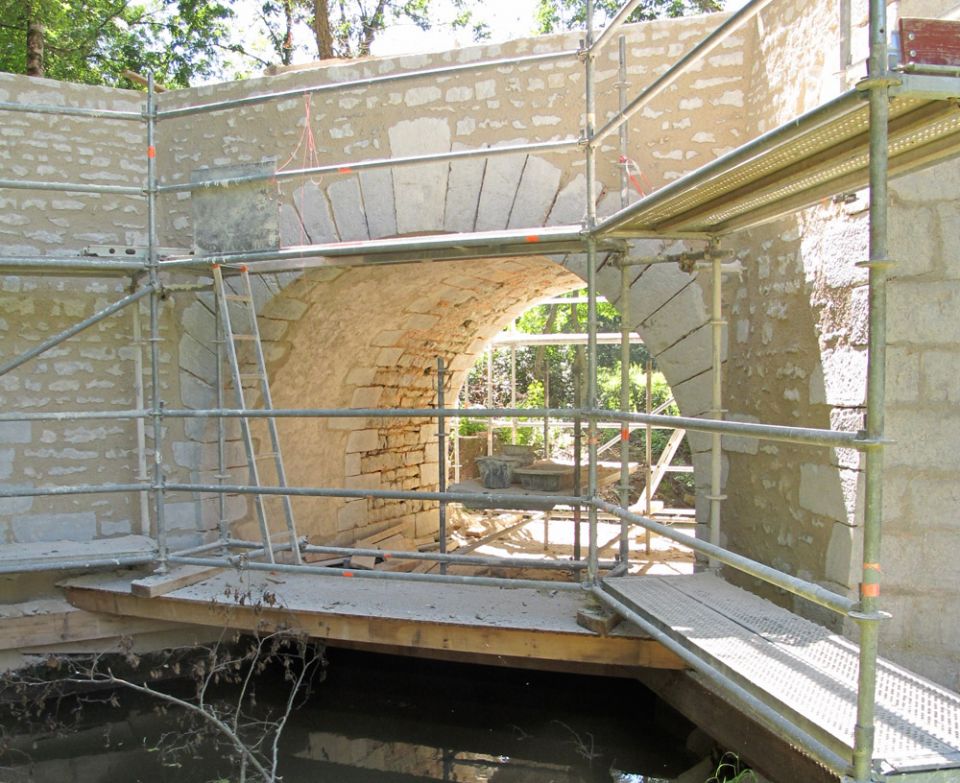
column 716, row 441
column 153, row 270
column 624, row 311
column 869, row 616
column 442, row 459
column 590, row 121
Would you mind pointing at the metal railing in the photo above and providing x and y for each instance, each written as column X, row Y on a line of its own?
column 865, row 611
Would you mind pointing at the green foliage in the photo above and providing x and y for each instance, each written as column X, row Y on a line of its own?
column 731, row 770
column 556, row 15
column 94, row 41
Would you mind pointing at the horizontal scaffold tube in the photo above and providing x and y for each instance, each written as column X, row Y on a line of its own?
column 355, row 84
column 72, row 111
column 452, row 557
column 32, row 566
column 376, row 163
column 70, row 187
column 77, row 489
column 809, row 436
column 71, row 264
column 397, row 576
column 485, row 499
column 802, row 435
column 73, row 415
column 725, row 686
column 386, row 247
column 812, row 592
column 46, row 345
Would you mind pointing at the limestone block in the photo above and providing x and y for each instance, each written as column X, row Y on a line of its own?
column 197, row 359
column 366, row 397
column 923, row 311
column 653, row 286
column 196, row 394
column 463, row 194
column 845, row 375
column 903, row 375
column 929, row 185
column 691, row 355
column 939, row 373
column 348, row 210
column 184, row 515
column 535, row 194
column 15, row 432
column 352, row 514
column 71, row 526
column 821, row 491
column 199, row 323
column 500, row 181
column 376, row 186
column 284, row 308
column 16, row 505
column 741, row 445
column 7, row 457
column 693, row 396
column 914, row 239
column 923, row 439
column 571, row 204
column 420, row 191
column 363, row 440
column 315, row 212
column 121, row 527
column 427, row 523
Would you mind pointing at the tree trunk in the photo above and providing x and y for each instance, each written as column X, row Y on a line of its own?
column 35, row 33
column 321, row 29
column 286, row 53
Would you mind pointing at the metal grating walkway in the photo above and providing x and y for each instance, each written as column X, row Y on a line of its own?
column 817, row 155
column 802, row 669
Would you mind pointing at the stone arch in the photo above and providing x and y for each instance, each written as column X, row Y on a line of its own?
column 369, row 335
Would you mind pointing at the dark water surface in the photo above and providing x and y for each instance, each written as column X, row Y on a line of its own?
column 380, row 719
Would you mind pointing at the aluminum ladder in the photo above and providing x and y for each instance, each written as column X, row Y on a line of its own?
column 241, row 306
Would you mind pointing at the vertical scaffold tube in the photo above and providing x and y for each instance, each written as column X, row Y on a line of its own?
column 156, row 406
column 442, row 458
column 625, row 407
column 716, row 441
column 591, row 221
column 221, row 424
column 624, row 309
column 878, row 265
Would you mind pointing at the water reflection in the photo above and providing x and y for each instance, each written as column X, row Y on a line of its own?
column 391, row 720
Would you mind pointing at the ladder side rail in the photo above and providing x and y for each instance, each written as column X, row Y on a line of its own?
column 230, row 342
column 271, row 420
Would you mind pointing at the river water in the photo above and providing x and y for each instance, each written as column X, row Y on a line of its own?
column 381, row 719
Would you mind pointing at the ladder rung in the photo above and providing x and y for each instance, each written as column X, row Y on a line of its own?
column 244, row 337
column 251, row 376
column 267, row 455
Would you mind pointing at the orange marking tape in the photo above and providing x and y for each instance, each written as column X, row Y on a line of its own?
column 348, row 573
column 870, row 590
column 871, row 567
column 345, row 170
column 387, row 555
column 243, row 267
column 151, row 151
column 532, row 238
column 625, row 433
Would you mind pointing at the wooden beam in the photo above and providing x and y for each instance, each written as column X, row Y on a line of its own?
column 360, row 629
column 160, row 584
column 55, row 621
column 754, row 743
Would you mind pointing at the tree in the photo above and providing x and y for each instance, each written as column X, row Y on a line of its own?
column 556, row 15
column 348, row 28
column 95, row 41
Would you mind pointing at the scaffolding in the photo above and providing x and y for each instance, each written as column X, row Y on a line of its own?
column 909, row 120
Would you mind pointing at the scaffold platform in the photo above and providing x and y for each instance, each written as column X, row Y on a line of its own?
column 803, row 671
